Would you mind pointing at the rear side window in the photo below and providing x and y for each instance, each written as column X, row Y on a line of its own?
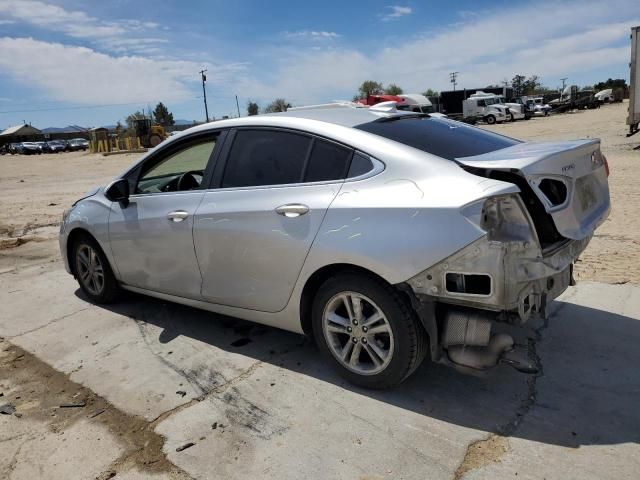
column 328, row 161
column 439, row 136
column 360, row 165
column 265, row 157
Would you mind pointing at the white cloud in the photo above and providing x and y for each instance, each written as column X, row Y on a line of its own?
column 75, row 24
column 136, row 45
column 120, row 35
column 313, row 34
column 485, row 49
column 396, row 12
column 84, row 76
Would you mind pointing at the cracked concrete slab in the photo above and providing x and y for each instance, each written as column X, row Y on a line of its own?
column 280, row 412
column 585, row 422
column 64, row 455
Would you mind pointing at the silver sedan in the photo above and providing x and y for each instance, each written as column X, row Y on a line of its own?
column 386, row 236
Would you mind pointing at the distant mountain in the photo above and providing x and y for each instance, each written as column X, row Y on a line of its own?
column 182, row 121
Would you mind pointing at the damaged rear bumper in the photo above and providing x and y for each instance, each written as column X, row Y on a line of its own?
column 514, row 278
column 460, row 299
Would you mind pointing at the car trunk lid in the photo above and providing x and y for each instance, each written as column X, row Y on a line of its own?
column 569, row 178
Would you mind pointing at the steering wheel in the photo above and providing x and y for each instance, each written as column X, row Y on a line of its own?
column 188, row 180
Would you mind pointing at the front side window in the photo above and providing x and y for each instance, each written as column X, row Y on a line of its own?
column 180, row 171
column 266, row 157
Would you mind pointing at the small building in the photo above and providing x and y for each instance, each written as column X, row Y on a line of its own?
column 65, row 133
column 20, row 133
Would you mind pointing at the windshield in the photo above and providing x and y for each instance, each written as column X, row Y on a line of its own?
column 439, row 136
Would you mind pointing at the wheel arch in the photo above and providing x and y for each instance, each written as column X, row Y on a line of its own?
column 318, row 278
column 315, row 280
column 76, row 234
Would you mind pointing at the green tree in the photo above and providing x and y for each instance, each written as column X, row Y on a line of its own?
column 393, row 89
column 531, row 85
column 370, row 87
column 278, row 105
column 611, row 83
column 252, row 108
column 518, row 85
column 430, row 93
column 162, row 115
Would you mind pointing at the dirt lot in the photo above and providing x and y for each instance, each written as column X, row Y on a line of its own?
column 34, row 191
column 145, row 389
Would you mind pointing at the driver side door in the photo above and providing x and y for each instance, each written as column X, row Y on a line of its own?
column 152, row 237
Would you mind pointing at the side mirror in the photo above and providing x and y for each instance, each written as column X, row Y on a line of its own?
column 118, row 191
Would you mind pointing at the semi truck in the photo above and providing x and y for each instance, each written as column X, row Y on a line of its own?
column 516, row 111
column 634, row 85
column 457, row 104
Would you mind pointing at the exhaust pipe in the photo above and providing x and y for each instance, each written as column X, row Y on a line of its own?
column 469, row 343
column 481, row 358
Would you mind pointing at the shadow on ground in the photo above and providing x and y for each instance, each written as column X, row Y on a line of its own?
column 587, row 393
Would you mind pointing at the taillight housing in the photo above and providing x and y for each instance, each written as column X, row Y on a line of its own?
column 606, row 164
column 504, row 218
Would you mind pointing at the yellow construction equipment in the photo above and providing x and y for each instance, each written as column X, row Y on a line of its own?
column 150, row 135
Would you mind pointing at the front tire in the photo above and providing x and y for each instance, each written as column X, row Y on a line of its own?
column 93, row 272
column 367, row 331
column 511, row 118
column 491, row 119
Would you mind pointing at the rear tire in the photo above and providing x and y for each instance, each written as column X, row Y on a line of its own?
column 367, row 331
column 93, row 272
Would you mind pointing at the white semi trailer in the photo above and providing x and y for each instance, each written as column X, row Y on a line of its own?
column 634, row 85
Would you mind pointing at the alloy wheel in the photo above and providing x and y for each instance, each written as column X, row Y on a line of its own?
column 358, row 333
column 89, row 269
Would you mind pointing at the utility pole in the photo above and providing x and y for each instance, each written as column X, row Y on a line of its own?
column 204, row 93
column 453, row 76
column 238, row 106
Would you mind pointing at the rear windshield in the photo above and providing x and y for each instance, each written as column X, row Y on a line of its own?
column 439, row 136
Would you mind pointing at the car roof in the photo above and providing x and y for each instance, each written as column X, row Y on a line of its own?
column 346, row 116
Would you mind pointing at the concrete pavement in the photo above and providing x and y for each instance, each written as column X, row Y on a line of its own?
column 256, row 402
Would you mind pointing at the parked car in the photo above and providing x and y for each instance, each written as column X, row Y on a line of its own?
column 29, row 148
column 55, row 146
column 76, row 144
column 386, row 236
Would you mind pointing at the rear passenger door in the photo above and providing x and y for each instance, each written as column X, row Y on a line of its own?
column 253, row 230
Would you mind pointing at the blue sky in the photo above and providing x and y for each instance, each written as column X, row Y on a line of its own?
column 92, row 63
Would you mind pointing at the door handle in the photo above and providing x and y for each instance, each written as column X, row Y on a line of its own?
column 177, row 216
column 292, row 210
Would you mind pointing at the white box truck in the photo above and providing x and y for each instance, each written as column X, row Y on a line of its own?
column 634, row 85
